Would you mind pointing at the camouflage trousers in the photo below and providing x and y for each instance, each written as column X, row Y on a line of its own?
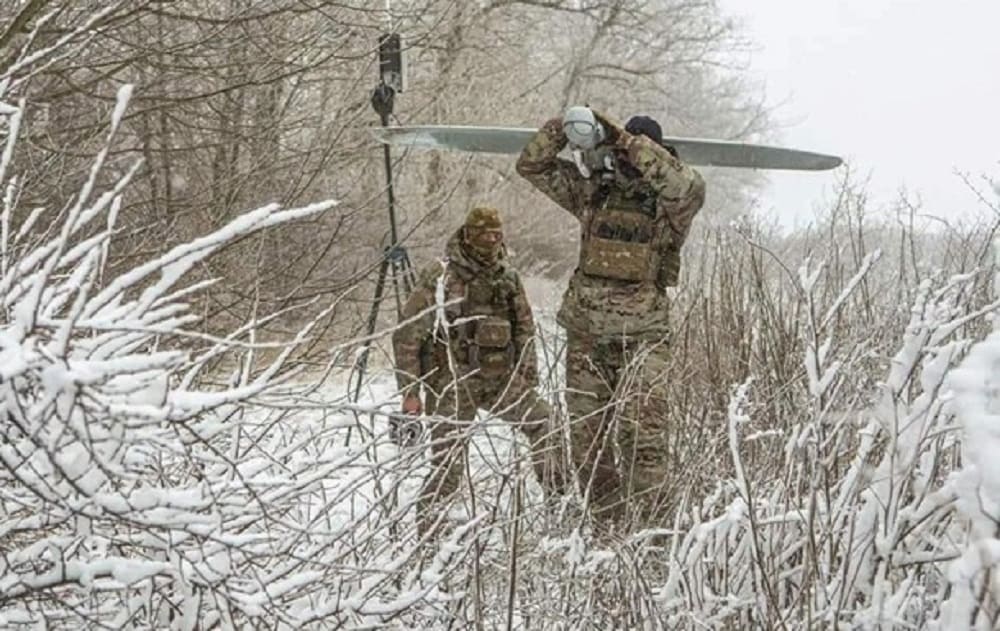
column 615, row 396
column 454, row 414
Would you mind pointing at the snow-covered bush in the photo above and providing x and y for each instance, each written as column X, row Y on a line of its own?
column 135, row 492
column 859, row 528
column 974, row 601
column 124, row 495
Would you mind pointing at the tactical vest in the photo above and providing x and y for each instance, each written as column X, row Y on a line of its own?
column 481, row 329
column 621, row 241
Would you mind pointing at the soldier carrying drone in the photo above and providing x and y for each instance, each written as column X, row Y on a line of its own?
column 635, row 201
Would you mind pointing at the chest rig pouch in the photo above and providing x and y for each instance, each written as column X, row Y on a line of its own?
column 492, row 332
column 486, row 339
column 491, row 347
column 618, row 241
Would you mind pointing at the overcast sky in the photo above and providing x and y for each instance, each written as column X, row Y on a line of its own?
column 907, row 90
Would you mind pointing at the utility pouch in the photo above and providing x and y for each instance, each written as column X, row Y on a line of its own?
column 619, row 246
column 492, row 333
column 494, row 362
column 619, row 260
column 492, row 344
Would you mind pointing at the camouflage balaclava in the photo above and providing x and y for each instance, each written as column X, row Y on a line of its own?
column 482, row 235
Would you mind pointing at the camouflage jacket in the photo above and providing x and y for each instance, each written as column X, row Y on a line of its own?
column 603, row 306
column 490, row 299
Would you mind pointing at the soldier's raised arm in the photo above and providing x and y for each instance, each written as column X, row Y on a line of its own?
column 680, row 189
column 559, row 179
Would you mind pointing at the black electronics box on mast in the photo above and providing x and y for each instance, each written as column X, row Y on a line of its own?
column 391, row 63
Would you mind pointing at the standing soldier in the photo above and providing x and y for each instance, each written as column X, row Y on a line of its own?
column 482, row 356
column 635, row 215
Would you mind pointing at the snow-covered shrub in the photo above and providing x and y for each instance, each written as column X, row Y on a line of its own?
column 857, row 530
column 974, row 601
column 134, row 492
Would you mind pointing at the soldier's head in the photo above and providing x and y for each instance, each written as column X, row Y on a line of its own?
column 482, row 234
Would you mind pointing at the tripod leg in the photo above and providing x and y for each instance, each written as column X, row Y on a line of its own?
column 409, row 276
column 402, row 274
column 372, row 321
column 395, row 287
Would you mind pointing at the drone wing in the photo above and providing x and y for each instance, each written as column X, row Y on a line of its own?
column 696, row 151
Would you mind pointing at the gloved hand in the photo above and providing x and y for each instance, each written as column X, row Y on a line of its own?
column 412, row 404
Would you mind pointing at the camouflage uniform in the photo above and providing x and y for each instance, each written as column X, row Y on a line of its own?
column 615, row 310
column 485, row 358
